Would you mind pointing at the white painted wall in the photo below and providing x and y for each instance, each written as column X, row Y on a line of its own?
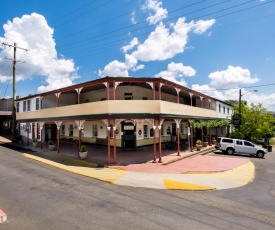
column 221, row 112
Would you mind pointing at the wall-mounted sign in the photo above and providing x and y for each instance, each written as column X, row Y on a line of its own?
column 128, row 127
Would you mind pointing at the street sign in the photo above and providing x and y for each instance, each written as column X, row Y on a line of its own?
column 236, row 120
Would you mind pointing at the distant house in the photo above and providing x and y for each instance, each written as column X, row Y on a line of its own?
column 119, row 112
column 6, row 115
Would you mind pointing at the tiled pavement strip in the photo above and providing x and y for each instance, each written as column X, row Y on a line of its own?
column 194, row 173
column 239, row 174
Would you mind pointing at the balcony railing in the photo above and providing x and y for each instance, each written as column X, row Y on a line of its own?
column 115, row 107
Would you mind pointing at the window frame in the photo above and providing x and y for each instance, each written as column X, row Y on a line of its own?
column 24, row 106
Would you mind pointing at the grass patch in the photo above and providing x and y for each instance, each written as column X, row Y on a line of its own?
column 272, row 141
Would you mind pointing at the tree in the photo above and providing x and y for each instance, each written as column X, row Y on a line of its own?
column 256, row 122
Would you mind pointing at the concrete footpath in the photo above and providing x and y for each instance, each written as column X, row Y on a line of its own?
column 190, row 171
column 199, row 172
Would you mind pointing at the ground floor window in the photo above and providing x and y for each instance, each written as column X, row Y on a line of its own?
column 71, row 131
column 145, row 131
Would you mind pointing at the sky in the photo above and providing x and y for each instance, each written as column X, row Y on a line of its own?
column 216, row 47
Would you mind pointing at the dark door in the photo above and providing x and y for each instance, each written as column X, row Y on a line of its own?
column 128, row 137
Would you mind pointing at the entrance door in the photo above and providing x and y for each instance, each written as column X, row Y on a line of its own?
column 129, row 137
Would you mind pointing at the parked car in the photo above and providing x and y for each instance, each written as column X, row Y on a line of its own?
column 261, row 141
column 231, row 146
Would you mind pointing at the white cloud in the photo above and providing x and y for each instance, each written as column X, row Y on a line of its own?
column 231, row 77
column 202, row 25
column 132, row 44
column 120, row 69
column 267, row 100
column 162, row 45
column 133, row 17
column 33, row 32
column 175, row 73
column 159, row 12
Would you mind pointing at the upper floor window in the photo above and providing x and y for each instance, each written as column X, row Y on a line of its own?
column 37, row 103
column 228, row 111
column 128, row 96
column 17, row 107
column 223, row 109
column 219, row 108
column 28, row 105
column 24, row 106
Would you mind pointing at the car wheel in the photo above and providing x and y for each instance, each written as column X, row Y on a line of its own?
column 260, row 154
column 230, row 151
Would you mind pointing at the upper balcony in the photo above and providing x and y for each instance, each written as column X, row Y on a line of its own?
column 119, row 109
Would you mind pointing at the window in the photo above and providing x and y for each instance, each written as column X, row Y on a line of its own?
column 239, row 142
column 145, row 131
column 246, row 143
column 228, row 111
column 28, row 105
column 17, row 107
column 219, row 108
column 223, row 109
column 71, row 130
column 225, row 140
column 37, row 103
column 151, row 132
column 24, row 106
column 128, row 96
column 181, row 128
column 95, row 133
column 62, row 129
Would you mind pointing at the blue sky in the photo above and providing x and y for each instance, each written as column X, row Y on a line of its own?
column 206, row 45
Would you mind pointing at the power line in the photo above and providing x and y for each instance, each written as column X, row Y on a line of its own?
column 171, row 12
column 146, row 33
column 71, row 12
column 244, row 87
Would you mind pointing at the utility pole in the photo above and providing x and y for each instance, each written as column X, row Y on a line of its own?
column 14, row 140
column 240, row 108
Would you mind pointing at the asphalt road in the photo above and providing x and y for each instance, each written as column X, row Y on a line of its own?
column 261, row 192
column 37, row 196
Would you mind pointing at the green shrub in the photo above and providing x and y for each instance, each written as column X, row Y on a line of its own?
column 83, row 148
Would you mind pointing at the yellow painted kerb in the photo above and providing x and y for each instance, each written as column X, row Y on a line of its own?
column 172, row 184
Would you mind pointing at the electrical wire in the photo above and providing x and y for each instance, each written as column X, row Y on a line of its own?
column 87, row 49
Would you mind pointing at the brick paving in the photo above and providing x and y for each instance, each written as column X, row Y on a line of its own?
column 196, row 164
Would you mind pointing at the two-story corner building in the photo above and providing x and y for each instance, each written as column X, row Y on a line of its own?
column 118, row 112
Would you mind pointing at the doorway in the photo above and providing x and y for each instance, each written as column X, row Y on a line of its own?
column 128, row 138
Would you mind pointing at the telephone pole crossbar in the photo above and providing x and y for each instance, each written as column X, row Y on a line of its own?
column 14, row 139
